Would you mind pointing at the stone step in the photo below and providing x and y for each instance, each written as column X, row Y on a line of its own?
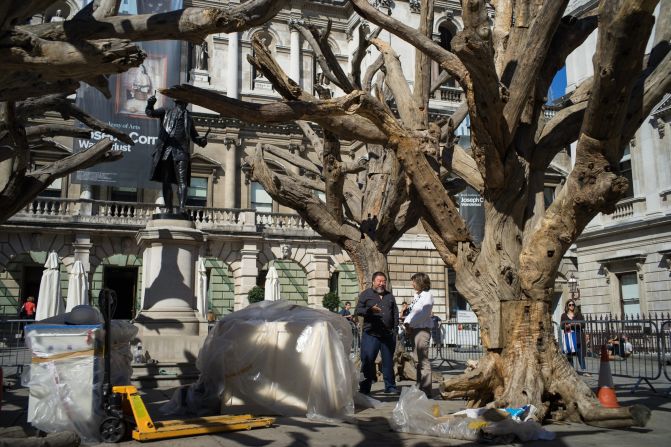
column 163, row 375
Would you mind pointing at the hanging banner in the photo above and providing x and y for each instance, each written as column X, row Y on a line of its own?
column 471, row 208
column 125, row 109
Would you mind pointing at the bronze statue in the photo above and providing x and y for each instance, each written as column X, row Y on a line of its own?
column 171, row 158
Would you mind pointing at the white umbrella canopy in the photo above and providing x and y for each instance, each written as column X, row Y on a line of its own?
column 49, row 302
column 201, row 288
column 78, row 289
column 272, row 289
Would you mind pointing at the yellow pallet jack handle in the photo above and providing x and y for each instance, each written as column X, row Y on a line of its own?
column 148, row 430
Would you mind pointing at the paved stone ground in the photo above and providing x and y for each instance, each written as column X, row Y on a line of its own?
column 371, row 427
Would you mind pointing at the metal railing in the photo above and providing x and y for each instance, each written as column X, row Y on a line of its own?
column 14, row 354
column 665, row 331
column 639, row 347
column 456, row 343
column 634, row 346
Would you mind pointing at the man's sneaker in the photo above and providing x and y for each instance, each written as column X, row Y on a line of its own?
column 392, row 390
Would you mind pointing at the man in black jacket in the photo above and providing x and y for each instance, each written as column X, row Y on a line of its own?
column 171, row 158
column 380, row 318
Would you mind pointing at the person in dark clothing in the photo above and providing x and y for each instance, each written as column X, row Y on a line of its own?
column 573, row 335
column 171, row 158
column 436, row 334
column 345, row 311
column 378, row 308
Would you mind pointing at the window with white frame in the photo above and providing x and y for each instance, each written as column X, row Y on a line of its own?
column 197, row 193
column 260, row 199
column 625, row 171
column 123, row 194
column 53, row 190
column 629, row 293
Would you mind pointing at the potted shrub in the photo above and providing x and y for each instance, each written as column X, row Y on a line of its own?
column 331, row 301
column 256, row 294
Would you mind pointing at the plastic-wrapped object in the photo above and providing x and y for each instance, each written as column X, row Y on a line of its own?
column 122, row 333
column 65, row 378
column 280, row 358
column 414, row 413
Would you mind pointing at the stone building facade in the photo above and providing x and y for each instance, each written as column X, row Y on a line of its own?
column 624, row 259
column 247, row 232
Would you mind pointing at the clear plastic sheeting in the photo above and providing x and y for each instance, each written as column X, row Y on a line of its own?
column 122, row 334
column 65, row 378
column 279, row 358
column 414, row 413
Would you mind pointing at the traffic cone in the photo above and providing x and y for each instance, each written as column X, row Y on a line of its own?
column 606, row 393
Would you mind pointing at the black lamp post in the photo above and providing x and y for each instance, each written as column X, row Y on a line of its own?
column 573, row 289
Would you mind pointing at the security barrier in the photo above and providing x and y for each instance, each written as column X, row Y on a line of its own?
column 455, row 343
column 13, row 351
column 639, row 348
column 635, row 346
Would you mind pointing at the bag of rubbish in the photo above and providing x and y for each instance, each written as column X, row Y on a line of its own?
column 415, row 413
column 500, row 423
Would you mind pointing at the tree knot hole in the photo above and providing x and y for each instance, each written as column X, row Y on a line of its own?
column 509, row 277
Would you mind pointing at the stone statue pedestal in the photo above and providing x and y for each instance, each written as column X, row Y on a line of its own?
column 200, row 77
column 170, row 328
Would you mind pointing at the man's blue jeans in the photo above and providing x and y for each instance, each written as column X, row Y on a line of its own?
column 370, row 346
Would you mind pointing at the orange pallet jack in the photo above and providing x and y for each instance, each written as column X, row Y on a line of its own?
column 124, row 407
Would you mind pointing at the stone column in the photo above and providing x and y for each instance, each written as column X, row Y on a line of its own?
column 230, row 174
column 86, row 195
column 295, row 57
column 248, row 273
column 82, row 251
column 232, row 63
column 318, row 284
column 169, row 326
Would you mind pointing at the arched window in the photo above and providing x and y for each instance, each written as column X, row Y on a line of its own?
column 447, row 33
column 259, row 81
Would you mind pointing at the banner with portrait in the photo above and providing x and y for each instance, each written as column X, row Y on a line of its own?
column 471, row 208
column 161, row 68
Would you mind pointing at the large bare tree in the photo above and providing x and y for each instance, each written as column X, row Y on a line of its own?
column 44, row 63
column 368, row 204
column 505, row 69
